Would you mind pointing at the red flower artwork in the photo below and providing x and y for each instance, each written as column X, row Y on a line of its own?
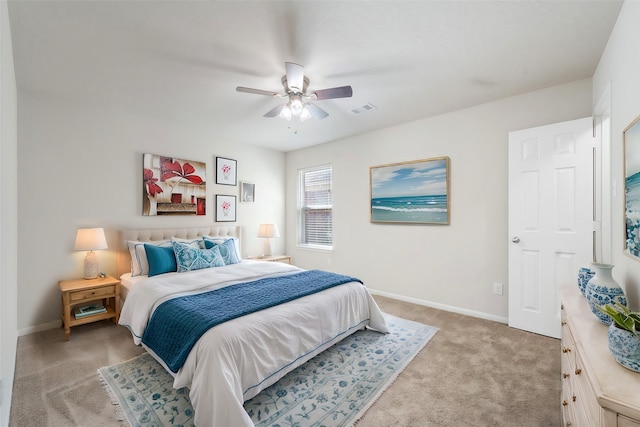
column 174, row 170
column 150, row 182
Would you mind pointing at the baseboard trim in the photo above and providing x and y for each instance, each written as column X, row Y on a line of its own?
column 57, row 323
column 445, row 307
column 39, row 328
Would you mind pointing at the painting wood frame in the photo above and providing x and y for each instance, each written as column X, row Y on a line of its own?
column 226, row 171
column 225, row 208
column 172, row 186
column 414, row 192
column 631, row 138
column 247, row 192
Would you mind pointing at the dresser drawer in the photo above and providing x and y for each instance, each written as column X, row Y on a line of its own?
column 583, row 390
column 627, row 422
column 90, row 294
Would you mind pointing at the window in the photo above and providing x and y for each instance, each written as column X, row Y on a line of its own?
column 315, row 207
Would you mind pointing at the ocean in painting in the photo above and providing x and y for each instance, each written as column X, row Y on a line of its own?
column 431, row 209
column 632, row 213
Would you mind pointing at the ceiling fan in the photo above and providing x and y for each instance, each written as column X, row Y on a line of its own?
column 295, row 85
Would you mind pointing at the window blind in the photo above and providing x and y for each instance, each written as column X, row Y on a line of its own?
column 316, row 217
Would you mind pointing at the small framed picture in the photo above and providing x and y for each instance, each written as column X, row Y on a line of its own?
column 226, row 171
column 225, row 208
column 247, row 192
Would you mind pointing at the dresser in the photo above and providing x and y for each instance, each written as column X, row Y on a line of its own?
column 596, row 390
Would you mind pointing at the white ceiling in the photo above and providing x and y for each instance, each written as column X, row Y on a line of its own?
column 182, row 60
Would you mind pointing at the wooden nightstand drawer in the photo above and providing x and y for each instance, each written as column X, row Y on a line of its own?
column 79, row 292
column 90, row 294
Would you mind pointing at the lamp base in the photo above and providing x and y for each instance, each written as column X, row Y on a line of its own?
column 91, row 265
column 268, row 247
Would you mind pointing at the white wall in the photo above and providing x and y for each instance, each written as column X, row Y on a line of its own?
column 451, row 266
column 8, row 217
column 81, row 166
column 619, row 69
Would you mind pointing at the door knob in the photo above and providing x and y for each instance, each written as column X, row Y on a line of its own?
column 516, row 240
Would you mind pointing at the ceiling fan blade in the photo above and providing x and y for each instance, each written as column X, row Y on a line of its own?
column 274, row 111
column 295, row 76
column 334, row 92
column 256, row 91
column 316, row 112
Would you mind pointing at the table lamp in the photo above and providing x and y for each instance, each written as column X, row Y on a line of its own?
column 267, row 232
column 90, row 239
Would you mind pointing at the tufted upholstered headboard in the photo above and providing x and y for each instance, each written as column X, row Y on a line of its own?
column 151, row 234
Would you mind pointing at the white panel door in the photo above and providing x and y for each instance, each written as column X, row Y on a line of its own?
column 550, row 219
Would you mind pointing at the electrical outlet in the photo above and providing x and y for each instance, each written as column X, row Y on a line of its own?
column 497, row 288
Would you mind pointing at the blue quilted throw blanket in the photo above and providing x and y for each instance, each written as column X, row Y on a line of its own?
column 177, row 324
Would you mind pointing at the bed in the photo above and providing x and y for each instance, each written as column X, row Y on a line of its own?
column 229, row 330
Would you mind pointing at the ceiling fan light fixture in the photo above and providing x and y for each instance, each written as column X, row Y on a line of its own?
column 305, row 114
column 285, row 113
column 296, row 105
column 291, row 82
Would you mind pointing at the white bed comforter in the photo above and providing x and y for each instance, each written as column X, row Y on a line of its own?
column 236, row 360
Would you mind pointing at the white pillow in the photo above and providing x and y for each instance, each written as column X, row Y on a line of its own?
column 139, row 262
column 197, row 241
column 220, row 240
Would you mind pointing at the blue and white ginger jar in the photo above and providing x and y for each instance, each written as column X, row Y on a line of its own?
column 624, row 347
column 602, row 289
column 584, row 275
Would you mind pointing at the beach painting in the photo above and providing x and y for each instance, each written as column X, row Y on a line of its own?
column 632, row 188
column 411, row 192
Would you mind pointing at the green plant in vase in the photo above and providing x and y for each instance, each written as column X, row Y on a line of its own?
column 624, row 335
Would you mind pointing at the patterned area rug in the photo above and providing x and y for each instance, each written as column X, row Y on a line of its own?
column 334, row 388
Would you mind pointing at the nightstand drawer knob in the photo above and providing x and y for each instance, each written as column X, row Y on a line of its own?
column 566, row 350
column 578, row 371
column 565, row 403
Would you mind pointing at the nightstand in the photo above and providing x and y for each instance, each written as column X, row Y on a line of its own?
column 81, row 292
column 273, row 258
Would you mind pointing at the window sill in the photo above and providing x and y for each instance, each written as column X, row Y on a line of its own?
column 315, row 248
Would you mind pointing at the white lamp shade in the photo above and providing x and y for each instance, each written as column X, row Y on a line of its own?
column 90, row 239
column 268, row 231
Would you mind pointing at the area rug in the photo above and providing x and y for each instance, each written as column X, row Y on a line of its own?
column 333, row 389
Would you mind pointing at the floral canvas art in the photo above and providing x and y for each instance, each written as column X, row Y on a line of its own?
column 173, row 186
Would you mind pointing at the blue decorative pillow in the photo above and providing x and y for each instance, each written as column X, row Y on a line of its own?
column 227, row 250
column 139, row 263
column 161, row 259
column 189, row 258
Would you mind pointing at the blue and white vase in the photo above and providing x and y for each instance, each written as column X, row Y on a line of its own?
column 624, row 347
column 584, row 275
column 602, row 289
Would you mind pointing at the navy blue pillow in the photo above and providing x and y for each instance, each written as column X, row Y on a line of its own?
column 161, row 259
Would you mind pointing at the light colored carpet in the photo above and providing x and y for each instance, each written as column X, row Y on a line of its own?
column 333, row 389
column 472, row 373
